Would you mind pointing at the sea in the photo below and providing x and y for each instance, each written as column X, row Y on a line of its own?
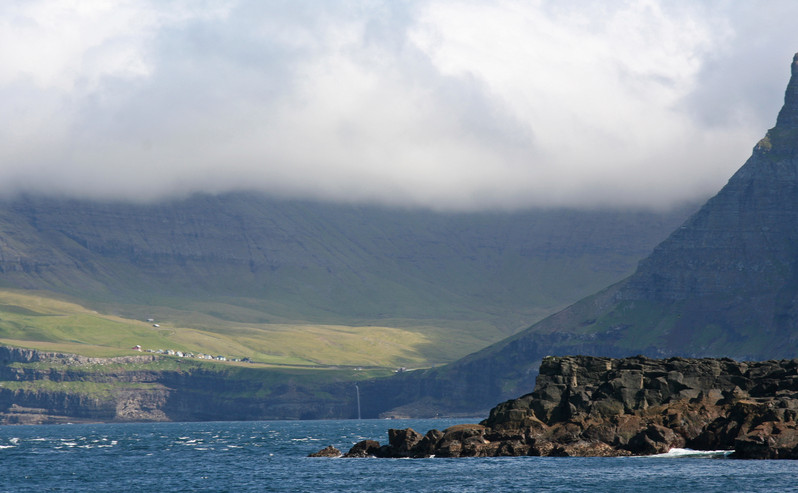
column 272, row 456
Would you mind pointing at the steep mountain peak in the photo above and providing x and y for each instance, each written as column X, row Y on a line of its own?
column 788, row 116
column 744, row 241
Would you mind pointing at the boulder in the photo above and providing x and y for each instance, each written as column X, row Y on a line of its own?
column 655, row 439
column 402, row 441
column 768, row 440
column 365, row 448
column 328, row 451
column 428, row 445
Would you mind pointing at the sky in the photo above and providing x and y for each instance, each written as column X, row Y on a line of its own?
column 447, row 105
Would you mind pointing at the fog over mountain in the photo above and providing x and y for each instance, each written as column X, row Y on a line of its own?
column 453, row 105
column 723, row 284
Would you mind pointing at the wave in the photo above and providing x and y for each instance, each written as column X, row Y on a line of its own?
column 687, row 452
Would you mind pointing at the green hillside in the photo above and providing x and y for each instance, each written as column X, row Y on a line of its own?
column 311, row 283
column 40, row 322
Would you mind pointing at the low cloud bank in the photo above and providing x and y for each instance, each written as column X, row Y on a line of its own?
column 447, row 105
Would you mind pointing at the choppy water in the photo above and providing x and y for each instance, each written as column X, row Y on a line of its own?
column 271, row 456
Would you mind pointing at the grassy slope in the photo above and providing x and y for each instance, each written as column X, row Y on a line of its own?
column 247, row 259
column 42, row 322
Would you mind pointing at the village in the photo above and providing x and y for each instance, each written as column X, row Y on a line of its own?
column 181, row 354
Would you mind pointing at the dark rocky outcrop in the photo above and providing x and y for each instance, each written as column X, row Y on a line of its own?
column 327, row 452
column 366, row 448
column 595, row 406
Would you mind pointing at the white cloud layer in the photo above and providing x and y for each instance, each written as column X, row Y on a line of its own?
column 445, row 104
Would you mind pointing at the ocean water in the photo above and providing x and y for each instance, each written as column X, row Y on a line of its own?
column 272, row 456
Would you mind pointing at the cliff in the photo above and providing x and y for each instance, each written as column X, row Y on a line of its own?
column 45, row 387
column 595, row 406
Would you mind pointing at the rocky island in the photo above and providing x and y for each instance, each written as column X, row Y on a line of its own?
column 596, row 406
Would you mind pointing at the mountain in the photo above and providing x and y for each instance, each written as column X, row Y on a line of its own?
column 725, row 283
column 464, row 280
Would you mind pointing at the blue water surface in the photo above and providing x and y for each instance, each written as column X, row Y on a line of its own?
column 272, row 456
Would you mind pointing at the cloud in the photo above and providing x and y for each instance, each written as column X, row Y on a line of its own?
column 449, row 105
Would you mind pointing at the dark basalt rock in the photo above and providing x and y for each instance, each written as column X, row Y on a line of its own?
column 402, row 442
column 329, row 451
column 603, row 406
column 592, row 406
column 465, row 440
column 366, row 448
column 428, row 445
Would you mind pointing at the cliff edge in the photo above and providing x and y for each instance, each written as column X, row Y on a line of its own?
column 38, row 387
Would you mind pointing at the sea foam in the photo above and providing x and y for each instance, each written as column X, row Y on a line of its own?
column 687, row 452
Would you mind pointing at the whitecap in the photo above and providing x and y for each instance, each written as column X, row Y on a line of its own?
column 686, row 452
column 6, row 446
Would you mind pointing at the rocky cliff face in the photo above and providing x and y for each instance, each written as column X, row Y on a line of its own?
column 732, row 269
column 43, row 387
column 744, row 241
column 593, row 406
column 22, row 355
